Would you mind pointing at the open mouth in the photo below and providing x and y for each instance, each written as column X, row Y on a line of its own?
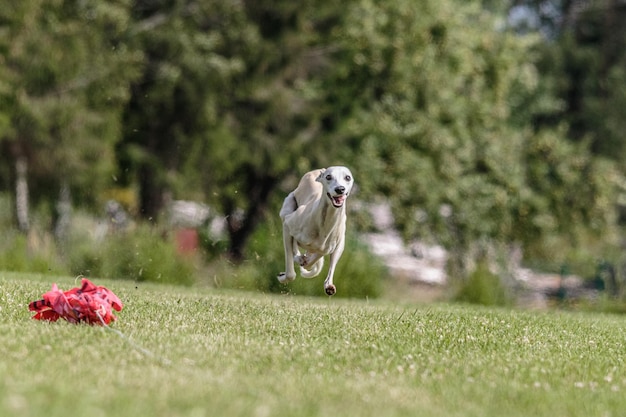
column 337, row 200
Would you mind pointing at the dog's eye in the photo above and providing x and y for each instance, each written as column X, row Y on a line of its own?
column 329, row 177
column 348, row 178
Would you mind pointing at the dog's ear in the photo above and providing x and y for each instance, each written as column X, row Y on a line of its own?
column 321, row 176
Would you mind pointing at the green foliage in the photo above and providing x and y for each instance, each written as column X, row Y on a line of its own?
column 142, row 255
column 178, row 100
column 483, row 287
column 67, row 74
column 581, row 72
column 452, row 139
column 585, row 66
column 439, row 137
column 189, row 351
column 32, row 253
column 573, row 196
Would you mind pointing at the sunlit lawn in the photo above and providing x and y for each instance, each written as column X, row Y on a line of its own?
column 202, row 352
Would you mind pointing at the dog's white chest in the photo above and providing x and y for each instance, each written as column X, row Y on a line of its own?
column 319, row 238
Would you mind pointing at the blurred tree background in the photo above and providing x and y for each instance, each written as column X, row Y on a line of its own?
column 489, row 124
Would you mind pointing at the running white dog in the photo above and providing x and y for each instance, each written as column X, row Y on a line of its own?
column 314, row 220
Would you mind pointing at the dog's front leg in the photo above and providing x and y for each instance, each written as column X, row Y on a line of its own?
column 290, row 271
column 329, row 287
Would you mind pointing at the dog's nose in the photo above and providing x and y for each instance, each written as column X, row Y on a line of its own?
column 340, row 190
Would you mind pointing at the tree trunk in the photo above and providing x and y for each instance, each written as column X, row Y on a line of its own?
column 21, row 194
column 150, row 193
column 242, row 226
column 63, row 213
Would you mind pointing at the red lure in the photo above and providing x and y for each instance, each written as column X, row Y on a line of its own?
column 89, row 303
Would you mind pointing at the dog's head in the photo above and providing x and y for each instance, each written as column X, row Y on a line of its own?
column 337, row 182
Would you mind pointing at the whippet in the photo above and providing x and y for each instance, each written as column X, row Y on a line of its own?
column 314, row 220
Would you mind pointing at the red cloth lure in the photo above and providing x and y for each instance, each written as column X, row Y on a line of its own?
column 89, row 303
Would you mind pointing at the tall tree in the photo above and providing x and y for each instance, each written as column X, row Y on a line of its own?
column 193, row 50
column 583, row 62
column 65, row 74
column 439, row 135
column 450, row 131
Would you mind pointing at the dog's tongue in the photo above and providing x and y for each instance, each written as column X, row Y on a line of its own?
column 339, row 199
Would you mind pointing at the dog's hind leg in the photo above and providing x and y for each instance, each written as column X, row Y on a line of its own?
column 313, row 267
column 306, row 260
column 329, row 287
column 289, row 206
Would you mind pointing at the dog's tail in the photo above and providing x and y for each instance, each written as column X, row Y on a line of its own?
column 315, row 270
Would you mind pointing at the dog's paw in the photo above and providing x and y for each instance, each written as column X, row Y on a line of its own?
column 330, row 290
column 283, row 278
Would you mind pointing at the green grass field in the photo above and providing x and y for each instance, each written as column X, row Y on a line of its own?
column 216, row 353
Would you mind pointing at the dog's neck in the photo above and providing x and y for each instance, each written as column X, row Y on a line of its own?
column 329, row 215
